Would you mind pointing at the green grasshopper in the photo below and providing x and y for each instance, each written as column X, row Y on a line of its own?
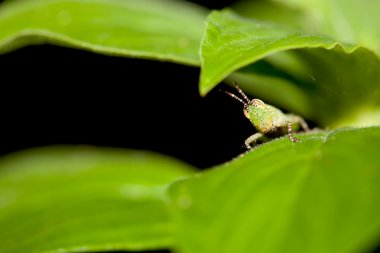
column 269, row 121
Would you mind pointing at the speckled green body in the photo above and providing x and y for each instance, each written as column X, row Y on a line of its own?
column 269, row 120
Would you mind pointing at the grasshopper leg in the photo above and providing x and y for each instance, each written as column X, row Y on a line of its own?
column 299, row 121
column 252, row 138
column 290, row 133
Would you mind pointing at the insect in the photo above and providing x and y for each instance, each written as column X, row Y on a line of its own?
column 269, row 121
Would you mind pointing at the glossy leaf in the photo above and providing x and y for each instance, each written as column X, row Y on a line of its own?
column 232, row 42
column 156, row 29
column 321, row 195
column 67, row 199
column 353, row 21
column 275, row 11
column 331, row 87
column 327, row 82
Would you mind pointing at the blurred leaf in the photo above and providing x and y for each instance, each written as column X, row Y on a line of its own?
column 350, row 21
column 231, row 42
column 321, row 195
column 274, row 88
column 333, row 88
column 332, row 84
column 85, row 199
column 275, row 11
column 155, row 29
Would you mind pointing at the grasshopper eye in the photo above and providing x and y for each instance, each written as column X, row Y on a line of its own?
column 257, row 102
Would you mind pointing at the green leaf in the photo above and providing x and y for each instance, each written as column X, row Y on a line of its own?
column 321, row 195
column 155, row 29
column 66, row 199
column 332, row 87
column 352, row 21
column 275, row 11
column 231, row 42
column 330, row 83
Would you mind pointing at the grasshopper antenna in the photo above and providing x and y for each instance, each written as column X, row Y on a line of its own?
column 235, row 97
column 241, row 92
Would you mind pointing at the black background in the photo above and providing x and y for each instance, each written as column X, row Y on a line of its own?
column 54, row 95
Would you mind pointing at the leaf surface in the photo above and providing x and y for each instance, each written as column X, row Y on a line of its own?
column 321, row 195
column 350, row 21
column 325, row 81
column 154, row 29
column 232, row 42
column 66, row 199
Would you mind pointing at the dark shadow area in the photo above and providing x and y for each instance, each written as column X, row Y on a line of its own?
column 376, row 250
column 53, row 95
column 214, row 4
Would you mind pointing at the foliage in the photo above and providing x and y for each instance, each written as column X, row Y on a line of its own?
column 147, row 29
column 71, row 199
column 317, row 58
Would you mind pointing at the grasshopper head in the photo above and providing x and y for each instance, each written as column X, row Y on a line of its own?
column 255, row 110
column 254, row 107
column 259, row 114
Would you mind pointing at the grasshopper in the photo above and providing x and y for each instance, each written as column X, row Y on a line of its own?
column 269, row 121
